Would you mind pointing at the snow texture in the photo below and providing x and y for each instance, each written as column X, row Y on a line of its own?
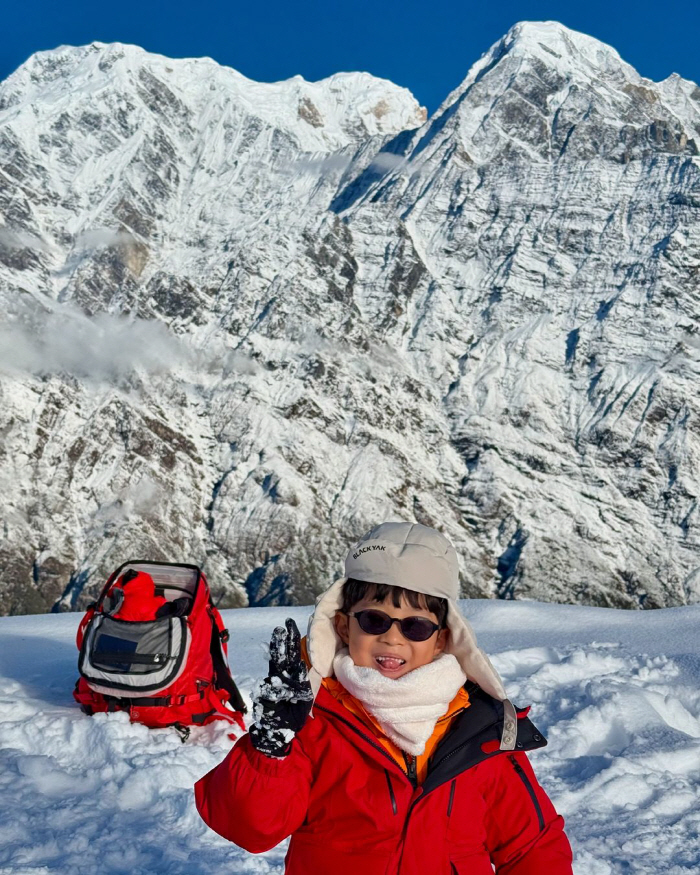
column 617, row 694
column 245, row 322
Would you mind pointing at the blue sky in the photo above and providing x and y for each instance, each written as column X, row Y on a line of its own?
column 426, row 46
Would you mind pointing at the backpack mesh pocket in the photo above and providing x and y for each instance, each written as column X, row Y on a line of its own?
column 133, row 658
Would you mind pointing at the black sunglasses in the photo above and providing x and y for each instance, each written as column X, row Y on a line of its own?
column 377, row 623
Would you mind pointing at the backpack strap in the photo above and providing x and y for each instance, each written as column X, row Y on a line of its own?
column 84, row 623
column 222, row 675
column 166, row 701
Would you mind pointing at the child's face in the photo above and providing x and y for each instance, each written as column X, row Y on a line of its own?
column 389, row 653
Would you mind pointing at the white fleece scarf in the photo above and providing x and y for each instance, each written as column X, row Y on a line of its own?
column 408, row 707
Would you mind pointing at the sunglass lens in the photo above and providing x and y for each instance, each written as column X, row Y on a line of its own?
column 373, row 622
column 417, row 628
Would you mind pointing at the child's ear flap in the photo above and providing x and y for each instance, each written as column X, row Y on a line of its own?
column 341, row 626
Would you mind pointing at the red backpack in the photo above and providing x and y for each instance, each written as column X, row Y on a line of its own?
column 153, row 644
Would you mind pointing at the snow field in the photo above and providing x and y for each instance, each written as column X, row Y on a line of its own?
column 616, row 693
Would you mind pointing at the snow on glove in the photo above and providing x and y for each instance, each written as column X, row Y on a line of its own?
column 284, row 699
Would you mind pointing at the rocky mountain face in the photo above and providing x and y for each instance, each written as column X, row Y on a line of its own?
column 244, row 322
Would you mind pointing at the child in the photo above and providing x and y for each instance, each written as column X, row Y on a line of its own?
column 412, row 762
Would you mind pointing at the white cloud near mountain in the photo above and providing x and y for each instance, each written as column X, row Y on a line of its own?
column 105, row 347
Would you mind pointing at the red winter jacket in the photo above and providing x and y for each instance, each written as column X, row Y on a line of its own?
column 350, row 808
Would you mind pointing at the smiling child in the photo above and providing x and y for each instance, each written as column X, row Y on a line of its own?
column 413, row 761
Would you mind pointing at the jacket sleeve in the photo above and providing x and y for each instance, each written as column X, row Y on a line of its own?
column 254, row 800
column 525, row 835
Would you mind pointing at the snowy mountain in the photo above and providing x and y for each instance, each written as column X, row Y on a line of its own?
column 246, row 321
column 615, row 692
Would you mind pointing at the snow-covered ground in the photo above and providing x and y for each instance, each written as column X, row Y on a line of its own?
column 617, row 693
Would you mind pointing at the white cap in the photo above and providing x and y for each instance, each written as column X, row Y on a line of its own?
column 408, row 555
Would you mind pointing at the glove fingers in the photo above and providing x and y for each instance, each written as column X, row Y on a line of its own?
column 278, row 651
column 284, row 699
column 293, row 648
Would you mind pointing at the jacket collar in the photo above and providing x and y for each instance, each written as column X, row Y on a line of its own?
column 473, row 737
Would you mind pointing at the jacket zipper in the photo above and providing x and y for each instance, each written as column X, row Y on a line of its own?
column 391, row 791
column 530, row 789
column 452, row 797
column 411, row 770
column 439, row 763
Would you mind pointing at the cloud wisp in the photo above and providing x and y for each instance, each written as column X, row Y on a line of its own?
column 20, row 239
column 385, row 162
column 324, row 166
column 103, row 238
column 104, row 347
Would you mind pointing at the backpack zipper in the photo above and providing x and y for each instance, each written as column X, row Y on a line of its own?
column 530, row 789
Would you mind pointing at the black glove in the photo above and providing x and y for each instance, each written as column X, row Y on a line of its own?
column 284, row 698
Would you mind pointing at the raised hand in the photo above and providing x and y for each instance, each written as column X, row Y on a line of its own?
column 284, row 698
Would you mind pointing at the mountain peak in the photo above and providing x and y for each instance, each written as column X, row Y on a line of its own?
column 568, row 53
column 553, row 36
column 560, row 47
